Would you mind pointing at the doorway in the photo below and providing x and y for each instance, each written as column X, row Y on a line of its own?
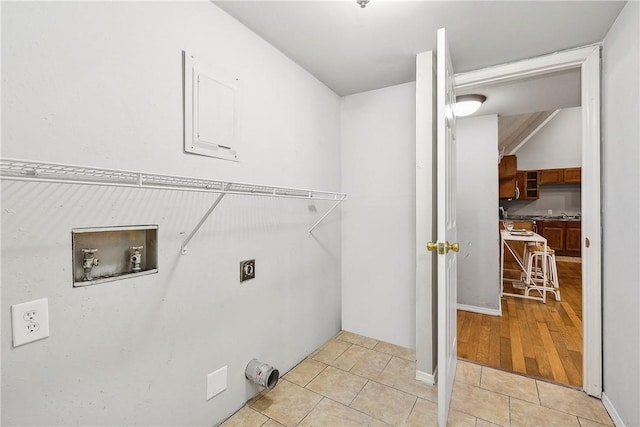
column 587, row 59
column 537, row 124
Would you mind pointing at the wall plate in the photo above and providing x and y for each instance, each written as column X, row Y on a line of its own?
column 216, row 382
column 30, row 321
column 247, row 270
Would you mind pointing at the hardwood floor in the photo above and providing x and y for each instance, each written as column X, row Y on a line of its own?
column 532, row 338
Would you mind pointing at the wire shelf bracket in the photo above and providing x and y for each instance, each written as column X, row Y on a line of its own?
column 37, row 171
column 184, row 249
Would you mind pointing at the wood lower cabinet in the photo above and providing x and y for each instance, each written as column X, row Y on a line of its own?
column 554, row 232
column 526, row 225
column 518, row 247
column 573, row 241
column 563, row 236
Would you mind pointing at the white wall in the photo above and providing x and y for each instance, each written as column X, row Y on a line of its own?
column 621, row 210
column 477, row 213
column 557, row 145
column 100, row 84
column 378, row 223
column 559, row 198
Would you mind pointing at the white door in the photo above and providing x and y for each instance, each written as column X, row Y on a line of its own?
column 446, row 224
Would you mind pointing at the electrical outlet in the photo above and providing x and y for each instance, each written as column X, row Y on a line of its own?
column 30, row 315
column 247, row 270
column 30, row 321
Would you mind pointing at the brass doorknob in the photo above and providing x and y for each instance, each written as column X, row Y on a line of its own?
column 432, row 246
column 452, row 247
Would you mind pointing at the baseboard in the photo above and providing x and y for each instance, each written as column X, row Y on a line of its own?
column 617, row 421
column 480, row 310
column 427, row 378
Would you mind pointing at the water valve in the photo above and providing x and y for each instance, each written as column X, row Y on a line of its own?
column 136, row 258
column 89, row 261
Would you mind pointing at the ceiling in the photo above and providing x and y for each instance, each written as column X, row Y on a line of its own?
column 354, row 50
column 531, row 95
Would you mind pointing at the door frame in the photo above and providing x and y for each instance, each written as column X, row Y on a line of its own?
column 588, row 60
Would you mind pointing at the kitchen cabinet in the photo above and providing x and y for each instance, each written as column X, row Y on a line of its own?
column 507, row 177
column 551, row 176
column 572, row 175
column 528, row 185
column 562, row 236
column 518, row 225
column 560, row 176
column 554, row 232
column 573, row 244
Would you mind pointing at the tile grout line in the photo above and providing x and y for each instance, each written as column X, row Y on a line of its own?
column 510, row 422
column 352, row 400
column 411, row 411
column 315, row 376
column 311, row 410
column 380, row 383
column 394, row 381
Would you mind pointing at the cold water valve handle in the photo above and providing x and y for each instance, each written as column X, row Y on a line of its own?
column 136, row 258
column 89, row 261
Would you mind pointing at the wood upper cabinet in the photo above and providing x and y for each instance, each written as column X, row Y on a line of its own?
column 563, row 236
column 551, row 176
column 572, row 175
column 560, row 176
column 507, row 177
column 521, row 183
column 528, row 185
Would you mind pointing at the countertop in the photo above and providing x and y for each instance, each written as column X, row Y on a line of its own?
column 544, row 217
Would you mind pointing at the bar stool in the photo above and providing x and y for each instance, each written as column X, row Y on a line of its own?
column 534, row 272
column 525, row 259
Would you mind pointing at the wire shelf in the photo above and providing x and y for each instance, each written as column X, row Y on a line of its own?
column 26, row 170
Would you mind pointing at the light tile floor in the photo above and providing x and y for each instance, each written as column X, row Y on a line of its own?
column 357, row 381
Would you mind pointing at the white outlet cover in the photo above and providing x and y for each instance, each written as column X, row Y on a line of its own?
column 30, row 321
column 216, row 382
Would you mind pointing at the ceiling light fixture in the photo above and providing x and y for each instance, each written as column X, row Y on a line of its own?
column 468, row 104
column 362, row 3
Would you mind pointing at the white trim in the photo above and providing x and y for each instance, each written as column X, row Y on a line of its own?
column 527, row 68
column 536, row 130
column 114, row 228
column 615, row 417
column 588, row 59
column 427, row 378
column 591, row 227
column 426, row 300
column 480, row 310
